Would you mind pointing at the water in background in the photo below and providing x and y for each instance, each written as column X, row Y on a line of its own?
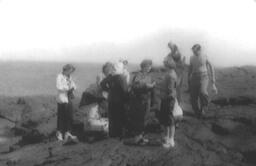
column 38, row 78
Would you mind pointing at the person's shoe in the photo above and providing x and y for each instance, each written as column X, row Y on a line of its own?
column 166, row 145
column 73, row 137
column 68, row 136
column 138, row 138
column 59, row 136
column 172, row 143
column 169, row 143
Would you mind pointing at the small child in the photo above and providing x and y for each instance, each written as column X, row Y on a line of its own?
column 168, row 99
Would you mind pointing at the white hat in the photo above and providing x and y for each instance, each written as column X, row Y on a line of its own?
column 119, row 68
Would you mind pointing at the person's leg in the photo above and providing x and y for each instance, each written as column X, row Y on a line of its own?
column 194, row 94
column 168, row 121
column 119, row 119
column 171, row 123
column 69, row 116
column 60, row 122
column 179, row 89
column 142, row 115
column 169, row 138
column 203, row 95
column 65, row 117
column 111, row 119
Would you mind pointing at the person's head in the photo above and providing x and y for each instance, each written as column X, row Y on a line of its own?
column 196, row 49
column 68, row 69
column 108, row 69
column 173, row 47
column 146, row 65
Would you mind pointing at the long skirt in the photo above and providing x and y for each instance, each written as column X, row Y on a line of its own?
column 139, row 108
column 116, row 114
column 165, row 115
column 64, row 117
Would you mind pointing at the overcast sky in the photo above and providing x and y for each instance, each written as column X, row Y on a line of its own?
column 100, row 30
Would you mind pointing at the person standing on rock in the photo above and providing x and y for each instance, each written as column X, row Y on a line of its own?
column 168, row 98
column 176, row 56
column 116, row 86
column 198, row 78
column 65, row 87
column 141, row 89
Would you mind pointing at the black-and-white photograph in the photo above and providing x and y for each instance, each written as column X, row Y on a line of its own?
column 127, row 82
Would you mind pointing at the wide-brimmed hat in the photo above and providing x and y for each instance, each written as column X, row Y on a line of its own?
column 68, row 67
column 118, row 68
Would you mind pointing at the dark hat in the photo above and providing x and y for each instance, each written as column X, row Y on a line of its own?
column 68, row 67
column 196, row 47
column 146, row 62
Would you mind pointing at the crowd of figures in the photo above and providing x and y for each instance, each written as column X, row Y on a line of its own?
column 127, row 100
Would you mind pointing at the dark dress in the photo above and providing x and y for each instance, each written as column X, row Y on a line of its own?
column 140, row 102
column 117, row 88
column 168, row 99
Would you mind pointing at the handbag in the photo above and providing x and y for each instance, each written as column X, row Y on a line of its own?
column 177, row 111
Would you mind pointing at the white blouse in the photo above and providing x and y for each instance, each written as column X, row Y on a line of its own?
column 64, row 84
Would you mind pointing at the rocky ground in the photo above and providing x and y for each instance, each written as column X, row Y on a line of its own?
column 226, row 136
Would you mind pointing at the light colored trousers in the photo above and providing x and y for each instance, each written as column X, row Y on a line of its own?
column 198, row 92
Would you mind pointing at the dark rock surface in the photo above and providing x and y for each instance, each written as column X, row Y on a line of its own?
column 226, row 136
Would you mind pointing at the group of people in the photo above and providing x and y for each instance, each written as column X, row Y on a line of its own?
column 129, row 99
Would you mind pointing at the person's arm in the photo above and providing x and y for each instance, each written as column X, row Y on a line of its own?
column 190, row 69
column 73, row 85
column 138, row 86
column 105, row 83
column 61, row 84
column 212, row 72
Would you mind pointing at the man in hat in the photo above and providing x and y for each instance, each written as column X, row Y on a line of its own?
column 198, row 80
column 65, row 87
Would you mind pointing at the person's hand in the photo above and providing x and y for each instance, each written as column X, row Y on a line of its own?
column 214, row 89
column 105, row 94
column 151, row 85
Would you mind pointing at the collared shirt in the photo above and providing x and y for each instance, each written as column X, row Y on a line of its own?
column 64, row 84
column 198, row 64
